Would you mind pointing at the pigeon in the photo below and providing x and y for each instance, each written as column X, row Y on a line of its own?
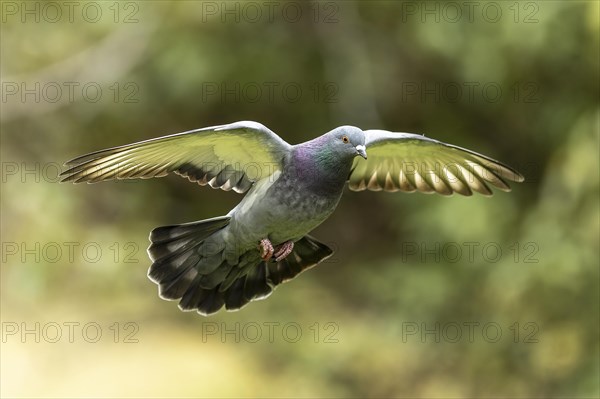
column 264, row 241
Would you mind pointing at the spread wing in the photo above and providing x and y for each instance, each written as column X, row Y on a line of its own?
column 229, row 157
column 410, row 162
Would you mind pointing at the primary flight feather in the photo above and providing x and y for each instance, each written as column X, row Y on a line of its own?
column 291, row 189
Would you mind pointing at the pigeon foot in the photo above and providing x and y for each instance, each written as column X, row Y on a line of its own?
column 266, row 249
column 284, row 250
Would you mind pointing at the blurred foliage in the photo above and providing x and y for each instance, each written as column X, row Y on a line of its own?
column 356, row 63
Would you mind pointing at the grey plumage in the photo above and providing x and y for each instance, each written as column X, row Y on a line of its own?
column 290, row 190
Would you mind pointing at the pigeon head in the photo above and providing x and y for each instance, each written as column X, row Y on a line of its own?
column 347, row 141
column 325, row 162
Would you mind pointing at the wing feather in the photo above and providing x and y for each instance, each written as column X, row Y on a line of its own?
column 410, row 162
column 230, row 157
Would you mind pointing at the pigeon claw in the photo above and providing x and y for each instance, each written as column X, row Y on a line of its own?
column 266, row 249
column 284, row 250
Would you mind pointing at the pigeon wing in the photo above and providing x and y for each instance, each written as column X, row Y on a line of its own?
column 411, row 162
column 232, row 156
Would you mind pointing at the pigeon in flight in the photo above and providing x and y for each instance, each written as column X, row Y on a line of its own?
column 291, row 189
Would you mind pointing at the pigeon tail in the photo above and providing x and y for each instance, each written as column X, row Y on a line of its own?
column 190, row 265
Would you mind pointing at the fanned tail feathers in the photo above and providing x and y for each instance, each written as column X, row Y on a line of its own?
column 192, row 267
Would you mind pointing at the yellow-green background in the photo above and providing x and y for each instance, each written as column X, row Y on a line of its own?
column 363, row 55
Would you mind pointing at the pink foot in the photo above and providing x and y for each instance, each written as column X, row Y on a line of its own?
column 266, row 249
column 284, row 250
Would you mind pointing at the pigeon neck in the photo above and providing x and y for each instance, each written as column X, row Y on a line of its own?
column 320, row 168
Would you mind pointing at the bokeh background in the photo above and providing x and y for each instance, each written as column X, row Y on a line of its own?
column 426, row 296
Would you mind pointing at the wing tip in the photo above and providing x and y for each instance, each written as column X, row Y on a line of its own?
column 519, row 178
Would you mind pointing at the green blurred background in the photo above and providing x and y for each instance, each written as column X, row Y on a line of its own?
column 426, row 296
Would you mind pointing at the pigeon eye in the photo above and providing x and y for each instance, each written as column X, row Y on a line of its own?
column 345, row 139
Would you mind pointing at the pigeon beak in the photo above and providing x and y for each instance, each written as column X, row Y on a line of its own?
column 362, row 151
